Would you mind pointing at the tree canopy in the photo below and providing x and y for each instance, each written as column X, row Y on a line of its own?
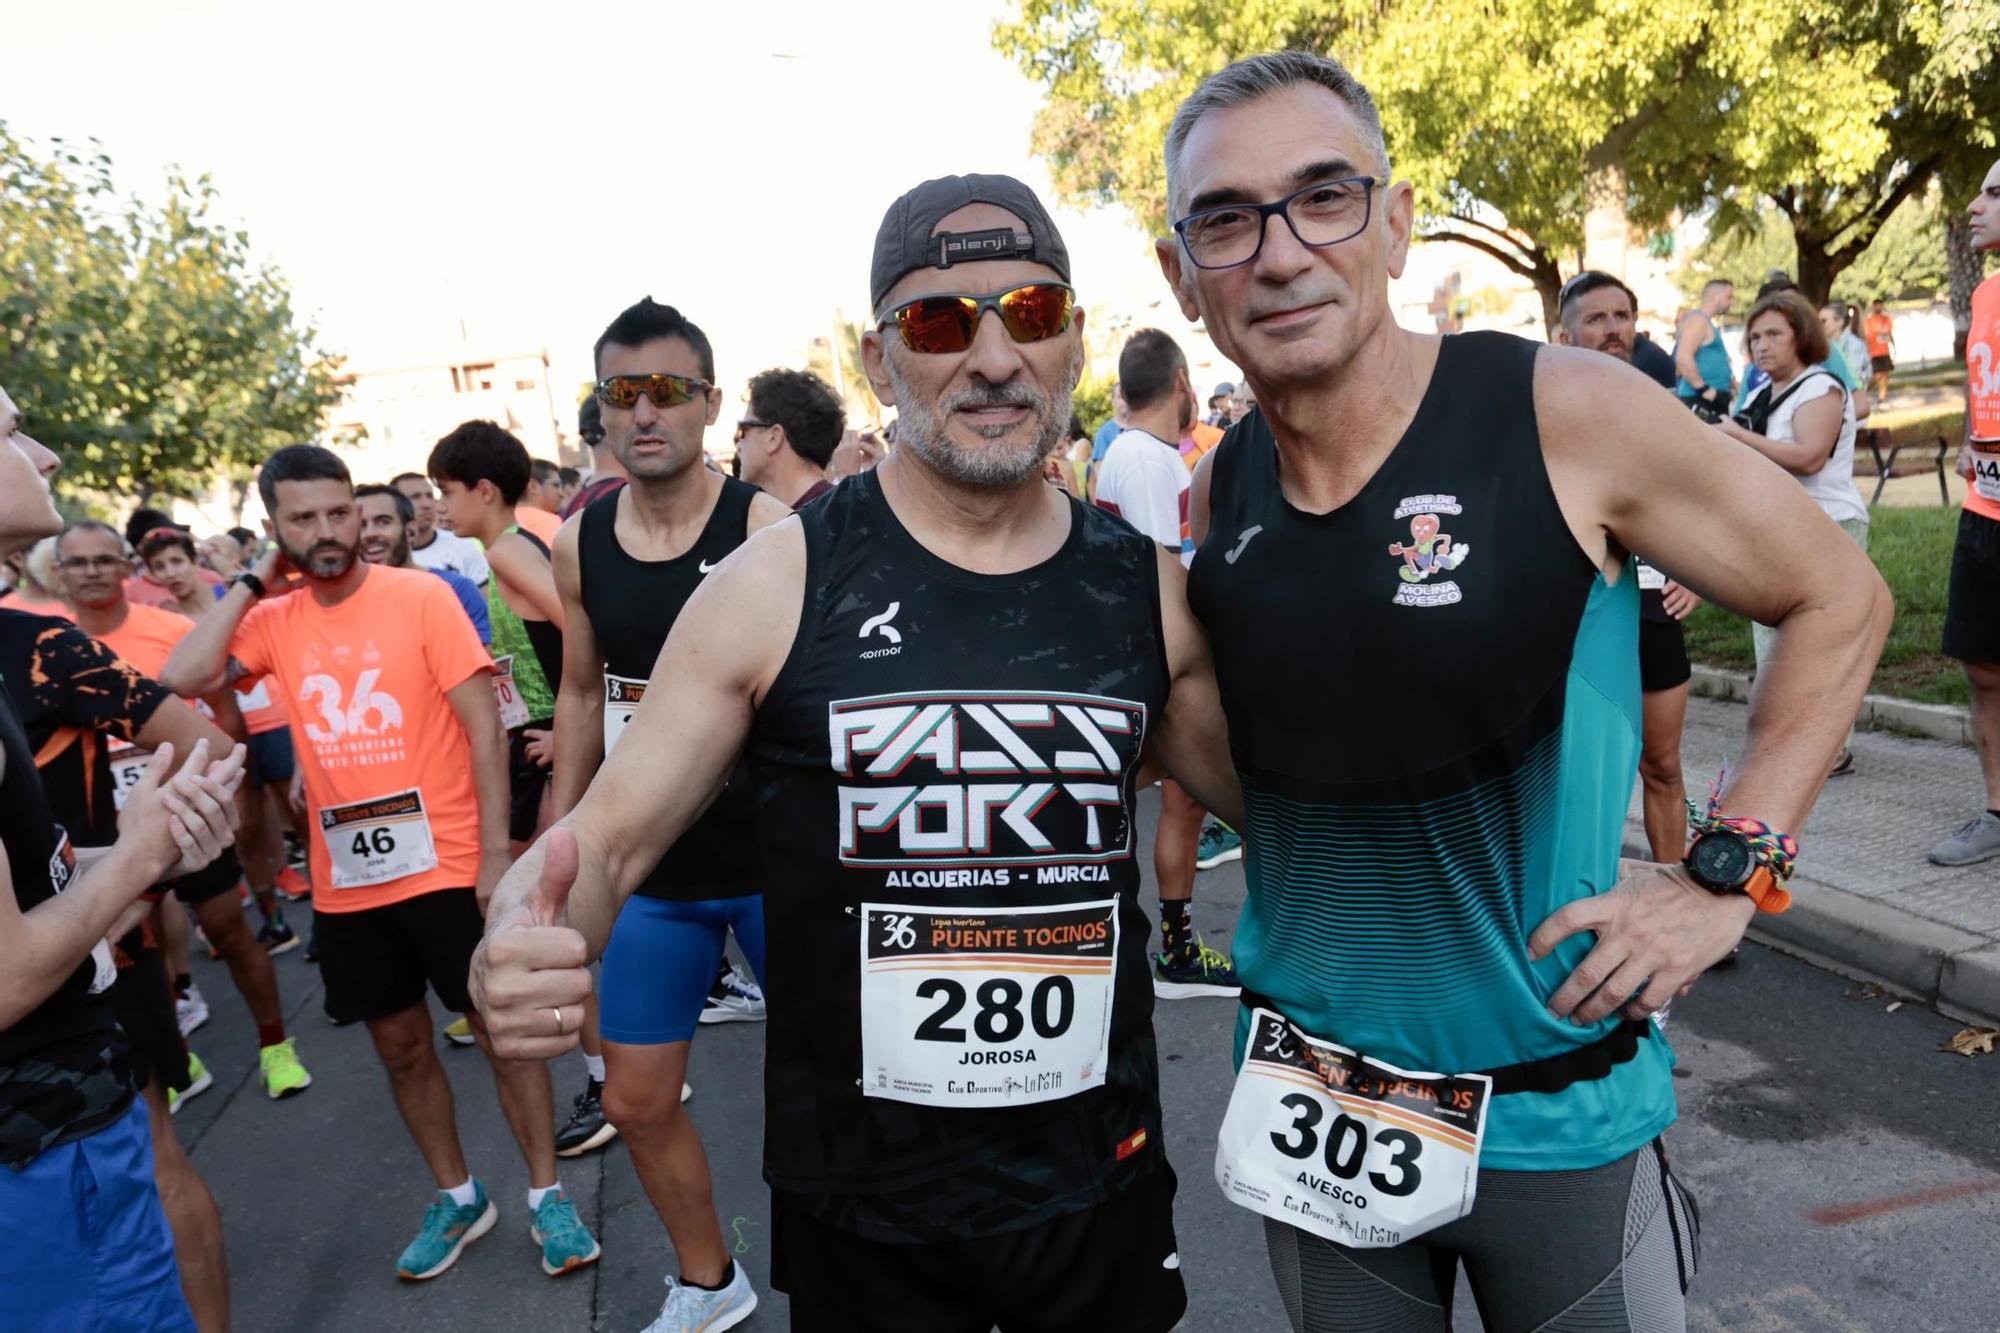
column 149, row 347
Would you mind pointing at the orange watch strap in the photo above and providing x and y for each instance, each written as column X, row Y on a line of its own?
column 1763, row 889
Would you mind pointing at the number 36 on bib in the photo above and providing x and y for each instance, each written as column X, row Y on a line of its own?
column 1351, row 1149
column 986, row 1006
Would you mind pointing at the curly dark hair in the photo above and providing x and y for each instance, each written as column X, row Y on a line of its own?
column 805, row 406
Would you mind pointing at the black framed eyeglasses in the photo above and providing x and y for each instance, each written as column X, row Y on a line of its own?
column 748, row 424
column 1322, row 214
column 664, row 390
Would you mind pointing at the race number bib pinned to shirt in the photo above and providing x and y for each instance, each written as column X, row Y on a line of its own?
column 1650, row 579
column 513, row 708
column 128, row 765
column 374, row 842
column 1986, row 469
column 986, row 1006
column 1351, row 1149
column 621, row 699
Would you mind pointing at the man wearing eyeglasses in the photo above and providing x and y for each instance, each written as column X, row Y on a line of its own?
column 787, row 441
column 947, row 674
column 624, row 570
column 1413, row 564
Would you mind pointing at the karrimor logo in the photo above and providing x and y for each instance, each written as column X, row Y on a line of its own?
column 880, row 625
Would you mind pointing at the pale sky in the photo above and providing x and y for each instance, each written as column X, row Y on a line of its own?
column 533, row 168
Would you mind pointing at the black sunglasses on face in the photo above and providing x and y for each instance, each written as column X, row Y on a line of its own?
column 748, row 424
column 1319, row 215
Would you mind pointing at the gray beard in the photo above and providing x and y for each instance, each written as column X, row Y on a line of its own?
column 920, row 428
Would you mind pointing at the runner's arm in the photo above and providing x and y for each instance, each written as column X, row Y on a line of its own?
column 479, row 714
column 1193, row 735
column 1694, row 332
column 521, row 570
column 200, row 663
column 1816, row 426
column 553, row 910
column 580, row 691
column 177, row 723
column 765, row 509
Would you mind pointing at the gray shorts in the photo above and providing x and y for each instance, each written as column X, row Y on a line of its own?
column 1606, row 1250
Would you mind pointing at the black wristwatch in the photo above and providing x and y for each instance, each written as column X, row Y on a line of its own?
column 1721, row 861
column 250, row 581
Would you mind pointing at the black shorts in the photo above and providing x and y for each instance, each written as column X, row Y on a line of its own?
column 1883, row 362
column 144, row 1008
column 1114, row 1268
column 272, row 762
column 219, row 878
column 1972, row 606
column 526, row 780
column 1663, row 655
column 376, row 962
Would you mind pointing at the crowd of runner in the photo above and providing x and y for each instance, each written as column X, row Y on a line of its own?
column 539, row 744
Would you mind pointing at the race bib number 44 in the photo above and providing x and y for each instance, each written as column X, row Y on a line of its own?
column 375, row 842
column 986, row 1006
column 1351, row 1149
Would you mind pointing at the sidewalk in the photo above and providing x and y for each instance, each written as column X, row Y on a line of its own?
column 1865, row 898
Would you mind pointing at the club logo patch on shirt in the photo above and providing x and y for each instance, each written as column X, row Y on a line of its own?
column 1429, row 551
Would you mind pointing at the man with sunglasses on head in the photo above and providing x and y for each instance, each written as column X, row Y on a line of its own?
column 1425, row 616
column 948, row 675
column 787, row 441
column 624, row 569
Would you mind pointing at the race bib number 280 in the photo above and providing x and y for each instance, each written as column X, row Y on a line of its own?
column 1351, row 1149
column 986, row 1006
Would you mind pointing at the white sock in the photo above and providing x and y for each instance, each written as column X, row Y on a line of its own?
column 463, row 1195
column 535, row 1196
column 595, row 1064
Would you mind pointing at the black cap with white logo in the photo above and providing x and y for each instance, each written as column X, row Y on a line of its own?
column 905, row 244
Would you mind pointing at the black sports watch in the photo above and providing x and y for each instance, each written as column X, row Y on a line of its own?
column 252, row 582
column 1721, row 861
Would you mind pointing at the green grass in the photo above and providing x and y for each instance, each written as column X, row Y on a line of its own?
column 1912, row 548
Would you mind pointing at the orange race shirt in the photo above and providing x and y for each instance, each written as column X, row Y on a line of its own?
column 387, row 767
column 147, row 638
column 540, row 522
column 1877, row 329
column 1982, row 375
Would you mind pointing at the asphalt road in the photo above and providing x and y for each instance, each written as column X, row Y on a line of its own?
column 1847, row 1170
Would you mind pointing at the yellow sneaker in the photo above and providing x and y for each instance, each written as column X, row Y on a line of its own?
column 459, row 1032
column 283, row 1074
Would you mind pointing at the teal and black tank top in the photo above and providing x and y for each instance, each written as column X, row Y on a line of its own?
column 1712, row 360
column 535, row 646
column 1433, row 705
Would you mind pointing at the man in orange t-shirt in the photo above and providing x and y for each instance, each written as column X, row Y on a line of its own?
column 1879, row 331
column 1972, row 605
column 92, row 558
column 395, row 727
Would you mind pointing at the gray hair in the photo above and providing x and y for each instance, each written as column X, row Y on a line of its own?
column 1253, row 77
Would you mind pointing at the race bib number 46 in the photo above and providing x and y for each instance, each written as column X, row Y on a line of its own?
column 374, row 842
column 986, row 1006
column 1356, row 1151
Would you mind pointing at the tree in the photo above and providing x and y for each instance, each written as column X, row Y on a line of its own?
column 151, row 349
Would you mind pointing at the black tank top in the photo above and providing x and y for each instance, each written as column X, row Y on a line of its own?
column 64, row 1067
column 632, row 604
column 946, row 766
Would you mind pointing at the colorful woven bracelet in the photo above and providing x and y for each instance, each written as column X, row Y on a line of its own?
column 1777, row 852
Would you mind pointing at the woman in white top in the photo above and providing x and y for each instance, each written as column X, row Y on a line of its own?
column 1807, row 421
column 1837, row 320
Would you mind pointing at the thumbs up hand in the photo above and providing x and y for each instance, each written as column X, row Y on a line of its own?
column 531, row 974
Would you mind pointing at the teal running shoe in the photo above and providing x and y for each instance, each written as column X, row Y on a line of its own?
column 448, row 1229
column 698, row 1310
column 566, row 1242
column 1219, row 843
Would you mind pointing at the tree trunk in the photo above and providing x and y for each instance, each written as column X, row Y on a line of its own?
column 1962, row 266
column 1548, row 285
column 1607, row 230
column 1816, row 269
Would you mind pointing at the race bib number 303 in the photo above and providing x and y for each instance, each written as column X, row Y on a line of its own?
column 986, row 1006
column 1351, row 1149
column 374, row 842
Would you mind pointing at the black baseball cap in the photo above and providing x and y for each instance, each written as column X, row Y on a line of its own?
column 904, row 242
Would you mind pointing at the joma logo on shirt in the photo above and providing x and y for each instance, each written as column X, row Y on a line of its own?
column 980, row 777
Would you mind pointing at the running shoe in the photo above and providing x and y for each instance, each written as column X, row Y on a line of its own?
column 1219, row 843
column 459, row 1032
column 292, row 886
column 191, row 1009
column 698, row 1310
column 201, row 1082
column 734, row 998
column 1200, row 971
column 1978, row 840
column 587, row 1128
column 283, row 1074
column 687, row 1091
column 278, row 938
column 448, row 1228
column 566, row 1242
column 1844, row 765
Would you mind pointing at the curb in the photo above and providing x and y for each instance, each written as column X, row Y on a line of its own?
column 1878, row 712
column 1952, row 970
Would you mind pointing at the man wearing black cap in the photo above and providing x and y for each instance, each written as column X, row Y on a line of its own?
column 947, row 692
